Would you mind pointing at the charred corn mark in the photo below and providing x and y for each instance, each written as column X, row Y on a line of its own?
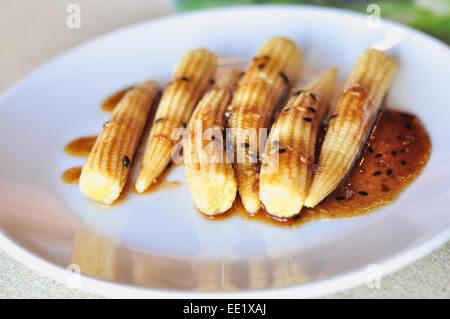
column 191, row 80
column 357, row 106
column 254, row 101
column 209, row 175
column 283, row 187
column 105, row 172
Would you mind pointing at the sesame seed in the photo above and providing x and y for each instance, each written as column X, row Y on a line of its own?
column 363, row 193
column 184, row 125
column 408, row 126
column 126, row 161
column 378, row 155
column 313, row 96
column 261, row 66
column 370, row 150
column 402, row 150
column 311, row 109
column 307, row 119
column 403, row 162
column 285, row 78
column 286, row 110
column 169, row 165
column 340, row 197
column 376, row 173
column 297, row 92
column 281, row 150
column 394, row 153
column 408, row 116
column 332, row 117
column 212, row 81
column 389, row 172
column 245, row 145
column 159, row 120
column 213, row 137
column 184, row 78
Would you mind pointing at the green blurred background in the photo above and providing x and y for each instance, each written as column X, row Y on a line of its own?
column 430, row 16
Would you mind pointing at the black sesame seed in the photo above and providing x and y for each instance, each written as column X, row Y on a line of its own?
column 296, row 217
column 403, row 162
column 126, row 161
column 408, row 116
column 297, row 92
column 213, row 137
column 408, row 126
column 332, row 117
column 363, row 193
column 285, row 78
column 159, row 120
column 370, row 150
column 378, row 155
column 261, row 66
column 212, row 81
column 313, row 96
column 340, row 197
column 394, row 153
column 169, row 165
column 307, row 119
column 276, row 142
column 281, row 150
column 376, row 173
column 311, row 109
column 402, row 150
column 389, row 172
column 286, row 110
column 184, row 78
column 184, row 125
column 245, row 145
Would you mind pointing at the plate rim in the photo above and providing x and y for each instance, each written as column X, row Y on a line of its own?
column 337, row 283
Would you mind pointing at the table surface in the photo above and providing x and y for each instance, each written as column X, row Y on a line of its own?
column 32, row 32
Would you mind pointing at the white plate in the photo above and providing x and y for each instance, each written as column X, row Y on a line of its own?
column 158, row 245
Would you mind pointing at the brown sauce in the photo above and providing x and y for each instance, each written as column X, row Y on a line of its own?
column 395, row 153
column 110, row 102
column 80, row 147
column 72, row 175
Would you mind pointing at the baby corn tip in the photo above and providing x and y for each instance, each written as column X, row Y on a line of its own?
column 141, row 186
column 281, row 201
column 311, row 202
column 252, row 205
column 225, row 195
column 99, row 188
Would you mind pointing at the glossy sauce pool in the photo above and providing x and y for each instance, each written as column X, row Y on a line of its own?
column 394, row 154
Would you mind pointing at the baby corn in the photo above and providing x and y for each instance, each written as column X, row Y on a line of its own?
column 209, row 175
column 351, row 121
column 286, row 173
column 191, row 79
column 105, row 172
column 259, row 91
